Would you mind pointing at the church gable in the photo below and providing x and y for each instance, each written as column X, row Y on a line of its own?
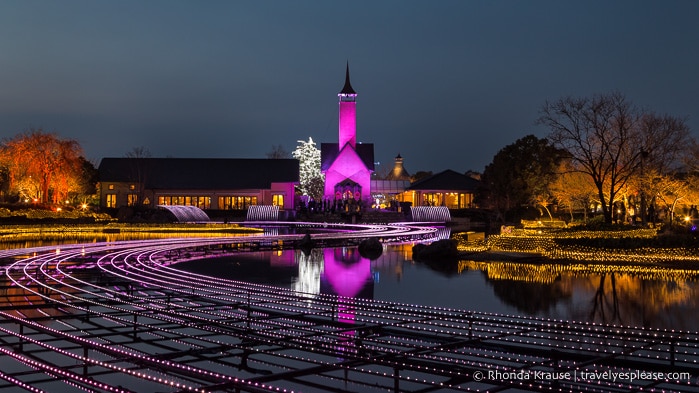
column 348, row 163
column 330, row 151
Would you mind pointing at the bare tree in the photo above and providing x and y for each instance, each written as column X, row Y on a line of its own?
column 665, row 145
column 611, row 141
column 573, row 190
column 691, row 160
column 673, row 190
column 665, row 142
column 139, row 157
column 138, row 152
column 278, row 151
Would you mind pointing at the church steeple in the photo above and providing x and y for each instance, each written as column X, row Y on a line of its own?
column 348, row 114
column 347, row 165
column 347, row 90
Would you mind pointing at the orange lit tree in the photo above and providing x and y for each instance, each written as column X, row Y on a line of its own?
column 573, row 190
column 613, row 143
column 42, row 166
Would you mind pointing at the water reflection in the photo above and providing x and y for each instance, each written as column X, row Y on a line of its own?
column 340, row 271
column 649, row 296
column 310, row 271
column 347, row 273
column 53, row 237
column 631, row 295
column 16, row 300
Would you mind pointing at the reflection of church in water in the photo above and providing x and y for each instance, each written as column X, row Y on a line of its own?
column 337, row 271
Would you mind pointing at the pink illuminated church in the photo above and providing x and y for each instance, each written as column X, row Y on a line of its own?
column 347, row 165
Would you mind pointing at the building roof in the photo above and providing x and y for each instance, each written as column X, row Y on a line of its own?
column 398, row 172
column 199, row 173
column 389, row 186
column 330, row 151
column 347, row 88
column 447, row 180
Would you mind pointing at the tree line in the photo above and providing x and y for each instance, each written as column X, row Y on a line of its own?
column 601, row 154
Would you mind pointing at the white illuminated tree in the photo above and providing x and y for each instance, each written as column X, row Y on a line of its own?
column 311, row 179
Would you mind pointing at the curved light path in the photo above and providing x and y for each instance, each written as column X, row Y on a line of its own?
column 120, row 317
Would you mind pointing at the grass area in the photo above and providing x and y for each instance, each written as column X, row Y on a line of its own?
column 34, row 222
column 634, row 245
column 55, row 214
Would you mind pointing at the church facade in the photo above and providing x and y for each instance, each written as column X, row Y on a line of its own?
column 347, row 165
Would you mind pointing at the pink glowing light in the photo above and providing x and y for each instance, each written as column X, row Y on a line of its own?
column 348, row 165
column 346, row 271
column 348, row 123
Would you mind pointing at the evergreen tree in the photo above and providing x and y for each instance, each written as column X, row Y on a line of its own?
column 311, row 179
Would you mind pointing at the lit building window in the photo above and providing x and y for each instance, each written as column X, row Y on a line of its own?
column 432, row 199
column 202, row 202
column 451, row 200
column 465, row 201
column 131, row 199
column 236, row 202
column 111, row 200
column 132, row 187
column 111, row 186
column 278, row 200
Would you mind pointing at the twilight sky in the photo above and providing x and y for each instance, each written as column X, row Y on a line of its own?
column 444, row 83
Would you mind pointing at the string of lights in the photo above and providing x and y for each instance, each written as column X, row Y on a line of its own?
column 120, row 316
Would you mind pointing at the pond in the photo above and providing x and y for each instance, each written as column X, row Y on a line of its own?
column 611, row 294
column 120, row 308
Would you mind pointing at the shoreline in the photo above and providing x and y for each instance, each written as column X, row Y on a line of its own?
column 616, row 257
column 535, row 258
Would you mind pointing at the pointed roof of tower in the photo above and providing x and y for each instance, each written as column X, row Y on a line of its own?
column 398, row 172
column 347, row 89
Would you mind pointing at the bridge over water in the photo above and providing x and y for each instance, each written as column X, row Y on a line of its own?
column 120, row 317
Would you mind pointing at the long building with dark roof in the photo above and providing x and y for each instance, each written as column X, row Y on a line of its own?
column 208, row 183
column 447, row 188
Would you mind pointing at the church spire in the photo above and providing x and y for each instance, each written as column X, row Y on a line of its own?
column 348, row 114
column 347, row 89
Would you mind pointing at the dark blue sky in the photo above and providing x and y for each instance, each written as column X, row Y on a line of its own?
column 444, row 83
